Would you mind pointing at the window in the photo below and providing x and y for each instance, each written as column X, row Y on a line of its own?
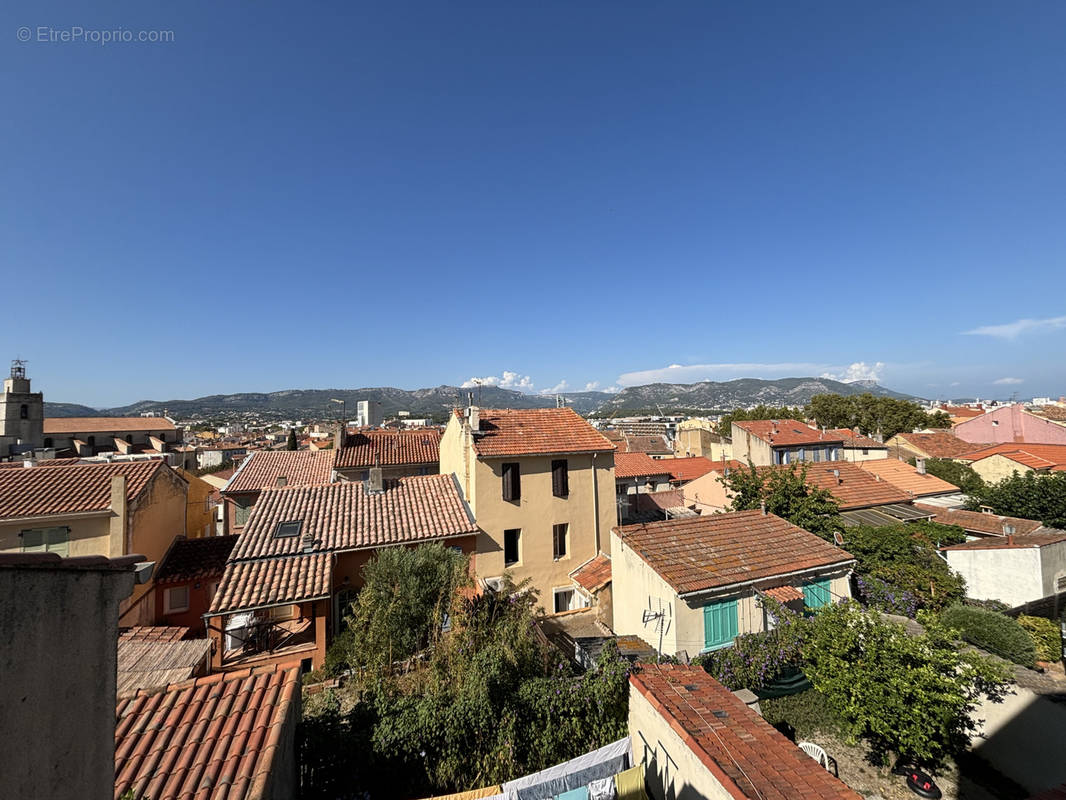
column 995, row 422
column 46, row 540
column 560, row 478
column 563, row 598
column 816, row 594
column 48, row 441
column 1060, row 584
column 162, row 437
column 512, row 483
column 129, row 438
column 175, row 599
column 510, row 546
column 241, row 510
column 287, row 530
column 24, row 411
column 866, row 451
column 91, row 441
column 719, row 624
column 559, row 535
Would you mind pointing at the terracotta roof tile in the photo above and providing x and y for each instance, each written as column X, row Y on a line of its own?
column 852, row 487
column 61, row 425
column 536, row 431
column 715, row 551
column 1039, row 538
column 1044, row 455
column 190, row 559
column 150, row 663
column 390, row 448
column 903, row 476
column 646, row 443
column 855, row 440
column 213, row 738
column 730, row 738
column 594, row 574
column 638, row 465
column 40, row 491
column 683, row 470
column 978, row 521
column 786, row 432
column 273, row 581
column 938, row 444
column 784, row 594
column 155, row 633
column 262, row 469
column 345, row 516
column 660, row 501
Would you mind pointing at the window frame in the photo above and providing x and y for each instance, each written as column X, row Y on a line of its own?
column 511, row 481
column 817, row 590
column 54, row 539
column 560, row 477
column 517, row 546
column 724, row 614
column 557, row 593
column 299, row 523
column 564, row 527
column 168, row 604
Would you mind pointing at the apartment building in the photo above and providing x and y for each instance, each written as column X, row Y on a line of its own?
column 784, row 441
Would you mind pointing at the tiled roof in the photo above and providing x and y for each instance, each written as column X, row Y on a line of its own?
column 594, row 574
column 344, row 516
column 262, row 469
column 718, row 550
column 854, row 488
column 646, row 443
column 389, row 448
column 536, row 431
column 150, row 663
column 272, row 581
column 938, row 444
column 960, row 411
column 758, row 762
column 54, row 425
column 38, row 491
column 660, row 501
column 638, row 465
column 784, row 594
column 903, row 476
column 855, row 440
column 683, row 470
column 977, row 521
column 1039, row 538
column 191, row 559
column 1045, row 455
column 785, row 432
column 215, row 738
column 155, row 633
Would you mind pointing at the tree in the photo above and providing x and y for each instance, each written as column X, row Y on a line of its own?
column 961, row 475
column 406, row 597
column 1030, row 496
column 291, row 443
column 911, row 696
column 898, row 570
column 725, row 423
column 870, row 414
column 787, row 494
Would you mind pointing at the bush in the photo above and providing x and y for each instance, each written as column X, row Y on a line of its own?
column 758, row 659
column 807, row 712
column 1045, row 635
column 996, row 633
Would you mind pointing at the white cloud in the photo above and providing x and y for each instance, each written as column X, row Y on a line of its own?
column 592, row 386
column 859, row 371
column 692, row 373
column 561, row 386
column 509, row 380
column 1012, row 330
column 954, row 383
column 1007, row 381
column 613, row 389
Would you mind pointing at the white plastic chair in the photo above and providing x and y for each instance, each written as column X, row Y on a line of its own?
column 817, row 752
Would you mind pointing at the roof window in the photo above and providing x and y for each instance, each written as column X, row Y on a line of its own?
column 287, row 530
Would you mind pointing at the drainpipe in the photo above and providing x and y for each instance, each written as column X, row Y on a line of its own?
column 596, row 503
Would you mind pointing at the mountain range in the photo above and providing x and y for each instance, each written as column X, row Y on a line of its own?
column 434, row 402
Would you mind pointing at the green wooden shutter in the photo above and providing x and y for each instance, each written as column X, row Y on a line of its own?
column 719, row 624
column 816, row 594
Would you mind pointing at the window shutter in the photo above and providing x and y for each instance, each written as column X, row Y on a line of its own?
column 560, row 478
column 512, row 487
column 719, row 623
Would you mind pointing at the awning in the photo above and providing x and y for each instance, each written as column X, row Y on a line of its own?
column 783, row 594
column 868, row 516
column 904, row 512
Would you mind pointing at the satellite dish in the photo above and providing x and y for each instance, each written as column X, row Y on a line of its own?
column 838, row 537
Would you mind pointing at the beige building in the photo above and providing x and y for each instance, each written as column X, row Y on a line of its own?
column 109, row 510
column 695, row 584
column 21, row 414
column 698, row 437
column 90, row 436
column 541, row 485
column 1002, row 461
column 857, row 447
column 783, row 441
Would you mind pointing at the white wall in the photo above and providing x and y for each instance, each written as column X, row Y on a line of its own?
column 1010, row 575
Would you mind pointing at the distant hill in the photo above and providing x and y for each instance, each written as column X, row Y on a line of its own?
column 317, row 403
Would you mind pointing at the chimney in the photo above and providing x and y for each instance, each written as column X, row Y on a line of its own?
column 919, row 464
column 28, row 462
column 375, row 484
column 473, row 416
column 339, row 436
column 281, row 481
column 762, row 507
column 308, row 542
column 836, row 474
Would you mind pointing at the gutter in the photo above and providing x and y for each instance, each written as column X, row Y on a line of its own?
column 741, row 584
column 596, row 504
column 106, row 512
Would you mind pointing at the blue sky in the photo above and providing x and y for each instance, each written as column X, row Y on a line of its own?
column 348, row 194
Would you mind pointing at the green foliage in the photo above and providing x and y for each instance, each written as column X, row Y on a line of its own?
column 961, row 475
column 786, row 494
column 291, row 443
column 996, row 633
column 905, row 558
column 909, row 696
column 406, row 595
column 1030, row 496
column 1045, row 636
column 755, row 660
column 808, row 712
column 725, row 423
column 870, row 414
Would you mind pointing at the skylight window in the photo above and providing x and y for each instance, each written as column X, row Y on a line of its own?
column 286, row 530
